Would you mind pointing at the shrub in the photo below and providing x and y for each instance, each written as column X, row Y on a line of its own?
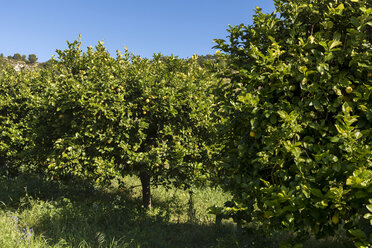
column 103, row 116
column 18, row 96
column 296, row 114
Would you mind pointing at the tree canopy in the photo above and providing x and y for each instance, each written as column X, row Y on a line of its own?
column 296, row 114
column 97, row 117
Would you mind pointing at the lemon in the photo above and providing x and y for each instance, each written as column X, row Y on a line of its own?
column 252, row 134
column 349, row 90
column 335, row 219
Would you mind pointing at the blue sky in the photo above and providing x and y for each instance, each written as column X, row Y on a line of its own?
column 181, row 28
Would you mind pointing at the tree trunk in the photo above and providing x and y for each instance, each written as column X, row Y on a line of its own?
column 146, row 190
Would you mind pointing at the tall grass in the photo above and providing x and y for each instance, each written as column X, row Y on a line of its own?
column 38, row 213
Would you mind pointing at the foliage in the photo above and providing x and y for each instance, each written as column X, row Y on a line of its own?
column 17, row 56
column 32, row 58
column 99, row 117
column 18, row 92
column 296, row 113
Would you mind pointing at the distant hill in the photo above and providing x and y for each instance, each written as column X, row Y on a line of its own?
column 19, row 65
column 20, row 62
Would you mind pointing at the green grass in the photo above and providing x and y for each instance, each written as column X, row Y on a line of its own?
column 80, row 215
column 37, row 213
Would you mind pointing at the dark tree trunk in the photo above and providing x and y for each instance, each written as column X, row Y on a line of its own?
column 146, row 190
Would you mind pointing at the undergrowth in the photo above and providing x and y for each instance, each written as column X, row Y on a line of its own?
column 39, row 213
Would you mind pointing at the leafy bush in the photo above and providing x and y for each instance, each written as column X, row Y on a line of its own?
column 296, row 114
column 101, row 117
column 18, row 95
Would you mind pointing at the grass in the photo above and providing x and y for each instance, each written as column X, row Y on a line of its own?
column 81, row 215
column 37, row 213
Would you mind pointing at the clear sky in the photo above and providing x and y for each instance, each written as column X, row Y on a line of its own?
column 145, row 27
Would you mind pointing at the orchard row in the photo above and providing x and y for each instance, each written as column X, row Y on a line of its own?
column 280, row 117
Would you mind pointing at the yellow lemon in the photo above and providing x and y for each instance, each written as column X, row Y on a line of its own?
column 335, row 219
column 252, row 134
column 349, row 90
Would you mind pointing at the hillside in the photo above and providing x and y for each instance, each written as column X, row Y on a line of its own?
column 19, row 65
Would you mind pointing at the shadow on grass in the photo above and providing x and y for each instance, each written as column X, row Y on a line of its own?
column 77, row 214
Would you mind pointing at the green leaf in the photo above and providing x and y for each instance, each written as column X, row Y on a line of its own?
column 340, row 8
column 337, row 36
column 367, row 216
column 358, row 234
column 316, row 192
column 340, row 129
column 334, row 44
column 369, row 207
column 355, row 21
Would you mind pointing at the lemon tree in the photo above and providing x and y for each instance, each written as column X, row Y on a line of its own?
column 296, row 111
column 102, row 116
column 19, row 93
